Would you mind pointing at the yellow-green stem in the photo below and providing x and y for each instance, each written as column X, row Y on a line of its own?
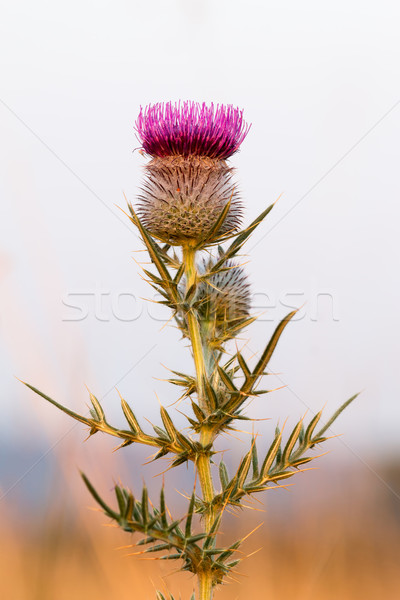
column 203, row 460
column 205, row 477
column 205, row 586
column 189, row 256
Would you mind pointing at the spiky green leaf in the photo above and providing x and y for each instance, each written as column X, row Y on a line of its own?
column 240, row 239
column 130, row 417
column 111, row 513
column 223, row 475
column 335, row 415
column 271, row 455
column 266, row 355
column 294, row 436
column 189, row 518
column 168, row 424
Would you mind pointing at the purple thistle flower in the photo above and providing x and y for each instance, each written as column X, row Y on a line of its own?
column 191, row 128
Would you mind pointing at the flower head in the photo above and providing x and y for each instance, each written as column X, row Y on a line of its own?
column 222, row 300
column 225, row 296
column 190, row 128
column 182, row 198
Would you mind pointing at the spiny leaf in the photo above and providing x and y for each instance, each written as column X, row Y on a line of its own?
column 223, row 475
column 254, row 458
column 200, row 416
column 180, row 459
column 240, row 240
column 168, row 424
column 302, row 434
column 310, row 429
column 210, row 393
column 97, row 407
column 157, row 280
column 229, row 551
column 189, row 518
column 161, row 433
column 111, row 513
column 158, row 548
column 120, row 499
column 319, row 440
column 281, row 475
column 145, row 506
column 162, row 452
column 301, row 461
column 266, row 355
column 179, row 382
column 235, row 325
column 213, row 551
column 179, row 274
column 243, row 469
column 129, row 508
column 190, row 294
column 163, row 509
column 67, row 411
column 335, row 416
column 155, row 254
column 130, row 417
column 230, row 362
column 271, row 454
column 173, row 525
column 227, row 380
column 145, row 541
column 291, row 442
column 185, row 442
column 233, row 564
column 243, row 365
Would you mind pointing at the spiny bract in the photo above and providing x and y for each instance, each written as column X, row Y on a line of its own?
column 224, row 297
column 182, row 198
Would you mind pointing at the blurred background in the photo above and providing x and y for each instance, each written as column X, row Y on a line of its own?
column 320, row 84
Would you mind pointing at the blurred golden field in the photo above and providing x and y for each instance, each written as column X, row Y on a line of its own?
column 334, row 535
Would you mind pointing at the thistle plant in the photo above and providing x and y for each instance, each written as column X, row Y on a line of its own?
column 188, row 216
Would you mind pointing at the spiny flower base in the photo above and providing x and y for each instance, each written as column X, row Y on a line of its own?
column 182, row 198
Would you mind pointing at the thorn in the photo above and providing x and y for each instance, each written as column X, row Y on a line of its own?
column 253, row 507
column 251, row 532
column 163, row 472
column 166, row 322
column 233, row 436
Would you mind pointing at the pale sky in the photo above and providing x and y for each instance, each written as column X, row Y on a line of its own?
column 320, row 84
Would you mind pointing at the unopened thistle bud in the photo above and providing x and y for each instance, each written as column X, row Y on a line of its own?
column 188, row 181
column 223, row 300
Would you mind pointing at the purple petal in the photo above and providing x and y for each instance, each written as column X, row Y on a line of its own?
column 189, row 128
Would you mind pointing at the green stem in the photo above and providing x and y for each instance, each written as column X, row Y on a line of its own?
column 205, row 586
column 204, row 470
column 206, row 436
column 189, row 255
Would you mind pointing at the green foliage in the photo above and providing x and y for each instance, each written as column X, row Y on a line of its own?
column 279, row 462
column 218, row 393
column 169, row 539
